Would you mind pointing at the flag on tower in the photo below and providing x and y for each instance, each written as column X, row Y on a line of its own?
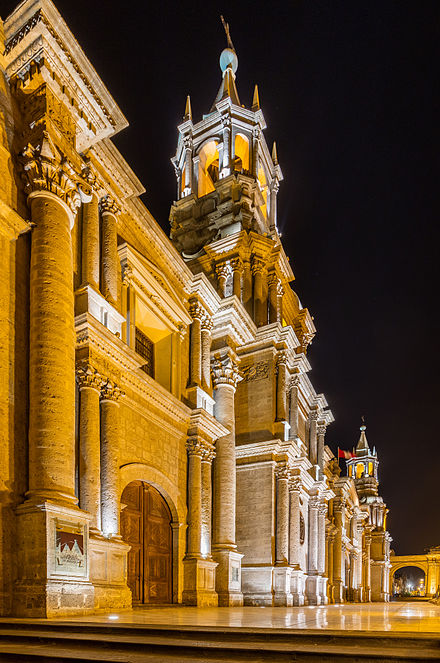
column 345, row 454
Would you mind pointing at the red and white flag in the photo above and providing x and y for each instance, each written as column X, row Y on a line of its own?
column 345, row 454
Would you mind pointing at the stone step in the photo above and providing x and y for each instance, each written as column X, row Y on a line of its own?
column 63, row 641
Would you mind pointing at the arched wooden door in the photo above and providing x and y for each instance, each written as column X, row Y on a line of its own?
column 146, row 526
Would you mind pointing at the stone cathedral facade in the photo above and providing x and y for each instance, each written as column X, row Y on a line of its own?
column 162, row 441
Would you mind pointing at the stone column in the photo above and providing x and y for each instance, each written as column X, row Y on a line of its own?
column 274, row 188
column 321, row 443
column 280, row 293
column 226, row 167
column 90, row 382
column 206, row 327
column 281, row 386
column 197, row 313
column 273, row 297
column 321, row 551
column 228, row 577
column 282, row 515
column 260, row 304
column 109, row 252
column 90, row 243
column 194, row 535
column 256, row 136
column 222, row 270
column 313, row 581
column 329, row 566
column 188, row 146
column 313, row 450
column 293, row 413
column 237, row 271
column 247, row 287
column 51, row 348
column 295, row 556
column 110, row 435
column 338, row 559
column 367, row 566
column 199, row 579
column 207, row 458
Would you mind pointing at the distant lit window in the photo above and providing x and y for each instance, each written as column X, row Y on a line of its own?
column 208, row 168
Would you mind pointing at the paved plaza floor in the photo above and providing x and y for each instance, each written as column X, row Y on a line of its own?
column 413, row 617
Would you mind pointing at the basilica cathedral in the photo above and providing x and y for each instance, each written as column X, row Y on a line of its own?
column 162, row 440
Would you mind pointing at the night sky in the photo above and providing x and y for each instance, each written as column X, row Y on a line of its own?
column 349, row 90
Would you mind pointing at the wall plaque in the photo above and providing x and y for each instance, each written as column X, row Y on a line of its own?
column 70, row 558
column 258, row 371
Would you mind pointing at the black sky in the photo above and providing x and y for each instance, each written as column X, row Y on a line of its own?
column 349, row 89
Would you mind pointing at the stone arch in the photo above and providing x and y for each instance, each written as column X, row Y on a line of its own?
column 421, row 564
column 169, row 491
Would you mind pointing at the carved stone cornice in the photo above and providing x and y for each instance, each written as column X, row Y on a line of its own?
column 111, row 392
column 107, row 205
column 46, row 170
column 224, row 370
column 87, row 377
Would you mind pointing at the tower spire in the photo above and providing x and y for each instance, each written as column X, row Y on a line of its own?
column 256, row 99
column 188, row 111
column 362, row 445
column 229, row 66
column 274, row 154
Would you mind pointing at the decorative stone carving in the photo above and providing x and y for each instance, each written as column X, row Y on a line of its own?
column 322, row 429
column 313, row 415
column 207, row 323
column 107, row 205
column 127, row 275
column 282, row 358
column 258, row 371
column 258, row 266
column 224, row 370
column 295, row 484
column 44, row 169
column 197, row 311
column 111, row 392
column 223, row 270
column 88, row 377
column 282, row 471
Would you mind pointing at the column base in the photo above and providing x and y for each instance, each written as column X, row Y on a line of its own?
column 228, row 577
column 297, row 586
column 323, row 590
column 108, row 573
column 199, row 582
column 281, row 585
column 338, row 592
column 313, row 590
column 52, row 561
column 366, row 595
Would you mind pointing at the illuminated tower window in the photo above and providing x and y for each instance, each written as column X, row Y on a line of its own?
column 208, row 167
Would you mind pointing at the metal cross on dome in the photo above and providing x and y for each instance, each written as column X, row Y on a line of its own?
column 228, row 34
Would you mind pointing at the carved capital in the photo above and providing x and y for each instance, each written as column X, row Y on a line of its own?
column 237, row 265
column 44, row 169
column 295, row 484
column 258, row 266
column 282, row 471
column 313, row 415
column 224, row 370
column 88, row 377
column 226, row 121
column 127, row 276
column 107, row 205
column 208, row 453
column 273, row 280
column 322, row 429
column 207, row 323
column 187, row 141
column 194, row 446
column 196, row 310
column 256, row 133
column 111, row 392
column 280, row 289
column 282, row 358
column 315, row 502
column 295, row 381
column 323, row 509
column 339, row 505
column 275, row 186
column 223, row 270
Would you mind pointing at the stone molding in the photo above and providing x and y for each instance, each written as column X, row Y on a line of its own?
column 224, row 370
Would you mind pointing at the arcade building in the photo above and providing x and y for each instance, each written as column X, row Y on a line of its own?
column 162, row 438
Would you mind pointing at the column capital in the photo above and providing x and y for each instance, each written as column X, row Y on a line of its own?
column 236, row 264
column 314, row 502
column 207, row 323
column 43, row 171
column 223, row 270
column 282, row 358
column 258, row 266
column 196, row 446
column 187, row 141
column 282, row 471
column 313, row 415
column 295, row 484
column 256, row 133
column 280, row 289
column 196, row 310
column 339, row 505
column 108, row 205
column 127, row 276
column 111, row 392
column 323, row 509
column 322, row 427
column 273, row 280
column 224, row 370
column 295, row 381
column 88, row 377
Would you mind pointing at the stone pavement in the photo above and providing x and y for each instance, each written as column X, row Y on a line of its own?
column 420, row 617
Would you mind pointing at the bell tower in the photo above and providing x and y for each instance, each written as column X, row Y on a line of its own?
column 224, row 221
column 363, row 467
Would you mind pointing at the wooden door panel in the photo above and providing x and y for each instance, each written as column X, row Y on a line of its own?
column 146, row 526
